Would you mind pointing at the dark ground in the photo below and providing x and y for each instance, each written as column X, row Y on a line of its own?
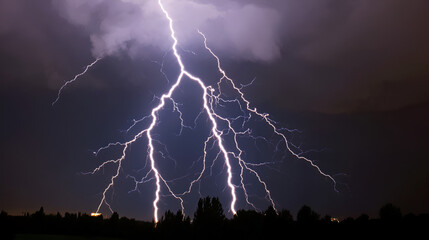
column 210, row 222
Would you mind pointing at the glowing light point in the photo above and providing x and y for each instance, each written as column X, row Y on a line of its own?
column 95, row 214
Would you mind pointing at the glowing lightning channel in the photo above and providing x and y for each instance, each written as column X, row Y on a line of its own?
column 264, row 116
column 216, row 133
column 211, row 97
column 74, row 79
column 148, row 131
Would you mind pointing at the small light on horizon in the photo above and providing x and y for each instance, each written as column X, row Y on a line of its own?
column 95, row 214
column 335, row 220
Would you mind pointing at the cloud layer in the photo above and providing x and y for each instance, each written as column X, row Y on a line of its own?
column 322, row 55
column 246, row 31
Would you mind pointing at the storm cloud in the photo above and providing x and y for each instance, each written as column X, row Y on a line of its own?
column 326, row 56
column 246, row 30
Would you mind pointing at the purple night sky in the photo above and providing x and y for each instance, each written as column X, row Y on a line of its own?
column 350, row 75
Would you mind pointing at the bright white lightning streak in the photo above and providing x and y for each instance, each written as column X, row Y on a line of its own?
column 119, row 161
column 74, row 79
column 209, row 98
column 216, row 133
column 263, row 116
column 158, row 178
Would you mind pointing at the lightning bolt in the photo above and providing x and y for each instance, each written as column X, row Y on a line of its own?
column 212, row 97
column 215, row 132
column 74, row 79
column 264, row 116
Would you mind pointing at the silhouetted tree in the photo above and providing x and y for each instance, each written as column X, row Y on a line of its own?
column 171, row 218
column 270, row 217
column 307, row 215
column 389, row 212
column 247, row 222
column 114, row 217
column 209, row 210
column 40, row 213
column 209, row 216
column 285, row 216
column 174, row 224
column 3, row 214
column 211, row 223
column 270, row 212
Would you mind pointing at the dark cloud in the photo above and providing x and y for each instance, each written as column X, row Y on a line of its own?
column 38, row 48
column 332, row 56
column 344, row 56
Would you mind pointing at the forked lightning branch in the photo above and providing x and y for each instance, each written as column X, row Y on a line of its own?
column 211, row 96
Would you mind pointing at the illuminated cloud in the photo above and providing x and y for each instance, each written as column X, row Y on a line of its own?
column 245, row 31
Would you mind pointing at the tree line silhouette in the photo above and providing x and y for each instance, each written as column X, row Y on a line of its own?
column 210, row 222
